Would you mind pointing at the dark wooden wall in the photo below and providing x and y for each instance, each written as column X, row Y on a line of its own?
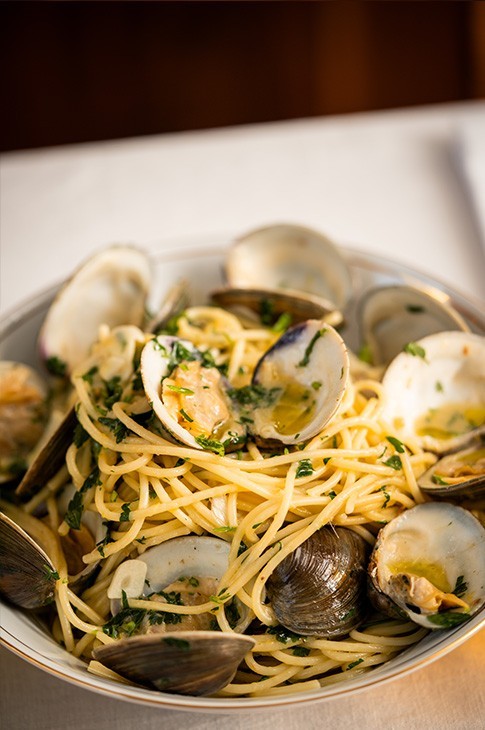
column 80, row 71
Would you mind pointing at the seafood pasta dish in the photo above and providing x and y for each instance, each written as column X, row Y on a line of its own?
column 221, row 498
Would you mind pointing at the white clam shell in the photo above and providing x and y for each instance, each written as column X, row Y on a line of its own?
column 436, row 540
column 451, row 373
column 311, row 361
column 110, row 289
column 288, row 256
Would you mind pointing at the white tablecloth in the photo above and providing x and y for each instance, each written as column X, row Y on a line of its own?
column 404, row 184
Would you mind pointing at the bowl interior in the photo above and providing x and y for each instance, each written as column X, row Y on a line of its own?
column 203, row 269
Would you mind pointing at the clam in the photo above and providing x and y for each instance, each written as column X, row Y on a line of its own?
column 271, row 304
column 189, row 395
column 436, row 391
column 27, row 575
column 286, row 256
column 185, row 658
column 457, row 475
column 23, row 415
column 391, row 316
column 298, row 384
column 189, row 567
column 187, row 662
column 49, row 459
column 430, row 563
column 319, row 589
column 110, row 289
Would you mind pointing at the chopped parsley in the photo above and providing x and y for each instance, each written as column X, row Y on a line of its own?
column 209, row 444
column 89, row 374
column 283, row 634
column 254, row 395
column 316, row 385
column 398, row 445
column 186, row 416
column 394, row 462
column 300, row 651
column 461, row 586
column 75, row 507
column 80, row 435
column 120, row 431
column 386, row 495
column 125, row 512
column 436, row 479
column 113, row 391
column 51, row 573
column 438, row 386
column 355, row 664
column 56, row 366
column 179, row 389
column 448, row 619
column 282, row 323
column 304, row 468
column 412, row 348
column 309, row 349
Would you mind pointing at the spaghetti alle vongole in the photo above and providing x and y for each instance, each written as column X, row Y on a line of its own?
column 265, row 503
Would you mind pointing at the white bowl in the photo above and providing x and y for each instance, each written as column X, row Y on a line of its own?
column 26, row 637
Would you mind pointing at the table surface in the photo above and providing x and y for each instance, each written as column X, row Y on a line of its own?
column 403, row 184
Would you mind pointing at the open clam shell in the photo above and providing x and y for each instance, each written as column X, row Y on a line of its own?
column 460, row 475
column 430, row 562
column 302, row 379
column 187, row 662
column 273, row 303
column 189, row 396
column 435, row 391
column 27, row 575
column 111, row 289
column 391, row 316
column 319, row 589
column 288, row 256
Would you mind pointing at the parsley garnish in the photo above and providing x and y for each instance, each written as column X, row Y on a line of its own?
column 304, row 468
column 56, row 366
column 179, row 389
column 394, row 462
column 186, row 416
column 283, row 634
column 89, row 375
column 120, row 431
column 80, row 435
column 113, row 391
column 448, row 619
column 398, row 445
column 254, row 395
column 282, row 323
column 436, row 479
column 355, row 664
column 386, row 495
column 461, row 586
column 300, row 651
column 306, row 357
column 412, row 348
column 50, row 573
column 125, row 512
column 209, row 444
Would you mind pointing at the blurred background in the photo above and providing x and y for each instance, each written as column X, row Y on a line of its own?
column 83, row 71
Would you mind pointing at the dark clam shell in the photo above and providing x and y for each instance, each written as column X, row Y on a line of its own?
column 185, row 662
column 27, row 576
column 319, row 589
